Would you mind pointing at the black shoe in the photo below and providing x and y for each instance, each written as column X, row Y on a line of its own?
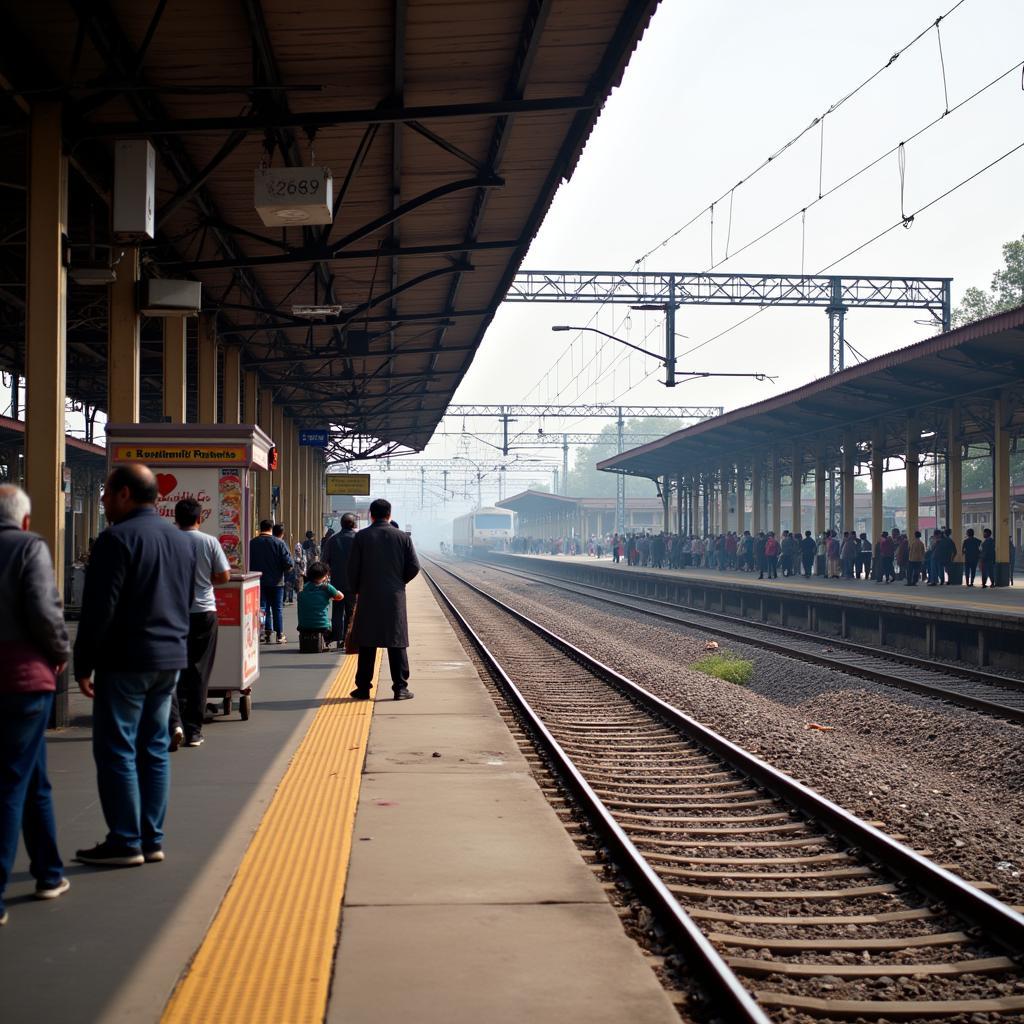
column 111, row 855
column 153, row 854
column 359, row 694
column 404, row 693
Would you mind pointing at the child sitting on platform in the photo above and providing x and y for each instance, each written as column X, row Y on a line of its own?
column 314, row 602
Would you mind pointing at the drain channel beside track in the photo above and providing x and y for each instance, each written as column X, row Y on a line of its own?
column 988, row 692
column 783, row 902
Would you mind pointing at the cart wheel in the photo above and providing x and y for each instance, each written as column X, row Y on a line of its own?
column 227, row 704
column 245, row 706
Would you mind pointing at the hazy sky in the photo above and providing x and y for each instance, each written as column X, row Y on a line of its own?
column 711, row 91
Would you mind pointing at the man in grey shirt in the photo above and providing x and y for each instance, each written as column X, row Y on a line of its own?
column 211, row 567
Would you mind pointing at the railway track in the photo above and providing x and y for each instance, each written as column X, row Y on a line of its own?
column 988, row 692
column 785, row 904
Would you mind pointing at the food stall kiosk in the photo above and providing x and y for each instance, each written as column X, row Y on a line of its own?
column 215, row 465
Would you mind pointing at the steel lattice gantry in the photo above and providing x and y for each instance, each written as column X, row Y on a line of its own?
column 836, row 294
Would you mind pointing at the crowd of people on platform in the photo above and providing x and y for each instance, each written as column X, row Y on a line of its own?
column 895, row 556
column 145, row 646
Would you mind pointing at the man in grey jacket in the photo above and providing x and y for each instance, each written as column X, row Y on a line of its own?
column 33, row 651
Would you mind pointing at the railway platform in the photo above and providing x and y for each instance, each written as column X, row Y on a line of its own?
column 980, row 626
column 331, row 860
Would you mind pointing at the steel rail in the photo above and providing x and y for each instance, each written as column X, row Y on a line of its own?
column 996, row 920
column 990, row 707
column 735, row 1003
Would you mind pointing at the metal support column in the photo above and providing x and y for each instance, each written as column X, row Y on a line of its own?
column 776, row 495
column 46, row 330
column 836, row 328
column 954, row 493
column 756, row 487
column 819, row 491
column 670, row 334
column 1001, row 487
column 123, row 342
column 666, row 504
column 741, row 498
column 913, row 493
column 233, row 385
column 877, row 484
column 174, row 368
column 565, row 463
column 680, row 524
column 695, row 504
column 704, row 486
column 796, row 479
column 206, row 377
column 723, row 497
column 849, row 466
column 620, row 480
column 277, row 433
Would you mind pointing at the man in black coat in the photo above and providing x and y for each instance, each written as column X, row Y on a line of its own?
column 336, row 553
column 382, row 561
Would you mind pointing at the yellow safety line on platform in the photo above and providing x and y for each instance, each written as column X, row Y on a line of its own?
column 269, row 954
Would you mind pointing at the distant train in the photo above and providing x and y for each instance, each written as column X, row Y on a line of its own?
column 487, row 529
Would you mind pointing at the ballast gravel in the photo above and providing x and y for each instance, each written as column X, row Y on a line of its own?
column 947, row 779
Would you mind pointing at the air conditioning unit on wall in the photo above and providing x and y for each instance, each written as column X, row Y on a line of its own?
column 288, row 196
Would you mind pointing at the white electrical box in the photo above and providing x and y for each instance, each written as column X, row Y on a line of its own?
column 285, row 196
column 134, row 189
column 161, row 297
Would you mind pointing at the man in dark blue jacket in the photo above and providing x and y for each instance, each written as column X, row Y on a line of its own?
column 335, row 554
column 131, row 645
column 269, row 556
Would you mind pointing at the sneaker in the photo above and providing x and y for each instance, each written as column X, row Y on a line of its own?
column 195, row 741
column 112, row 855
column 266, row 638
column 282, row 639
column 51, row 892
column 4, row 918
column 153, row 855
column 177, row 738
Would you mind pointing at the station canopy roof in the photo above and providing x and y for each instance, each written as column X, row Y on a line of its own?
column 448, row 126
column 969, row 365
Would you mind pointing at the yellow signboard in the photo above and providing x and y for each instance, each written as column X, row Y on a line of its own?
column 348, row 483
column 183, row 454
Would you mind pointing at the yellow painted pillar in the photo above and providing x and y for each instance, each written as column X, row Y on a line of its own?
column 756, row 497
column 877, row 485
column 723, row 497
column 819, row 491
column 913, row 495
column 1001, row 488
column 741, row 498
column 231, row 387
column 266, row 481
column 776, row 495
column 46, row 329
column 849, row 466
column 277, row 433
column 954, row 490
column 123, row 342
column 796, row 478
column 251, row 400
column 174, row 368
column 206, row 378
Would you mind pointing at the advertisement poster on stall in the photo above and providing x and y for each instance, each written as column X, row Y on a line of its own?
column 250, row 631
column 220, row 496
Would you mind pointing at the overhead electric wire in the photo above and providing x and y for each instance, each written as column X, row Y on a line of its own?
column 796, row 138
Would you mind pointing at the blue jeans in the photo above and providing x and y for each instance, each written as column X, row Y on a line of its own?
column 272, row 602
column 130, row 746
column 26, row 802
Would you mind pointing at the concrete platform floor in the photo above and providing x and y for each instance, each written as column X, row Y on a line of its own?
column 1005, row 601
column 466, row 899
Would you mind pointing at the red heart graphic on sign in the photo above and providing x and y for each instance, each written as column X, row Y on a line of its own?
column 165, row 483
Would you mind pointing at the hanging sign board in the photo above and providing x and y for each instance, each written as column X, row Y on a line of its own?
column 348, row 483
column 313, row 438
column 183, row 455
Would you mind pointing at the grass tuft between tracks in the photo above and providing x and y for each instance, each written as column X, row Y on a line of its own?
column 726, row 666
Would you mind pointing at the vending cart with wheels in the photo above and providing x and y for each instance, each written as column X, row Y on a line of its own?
column 215, row 464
